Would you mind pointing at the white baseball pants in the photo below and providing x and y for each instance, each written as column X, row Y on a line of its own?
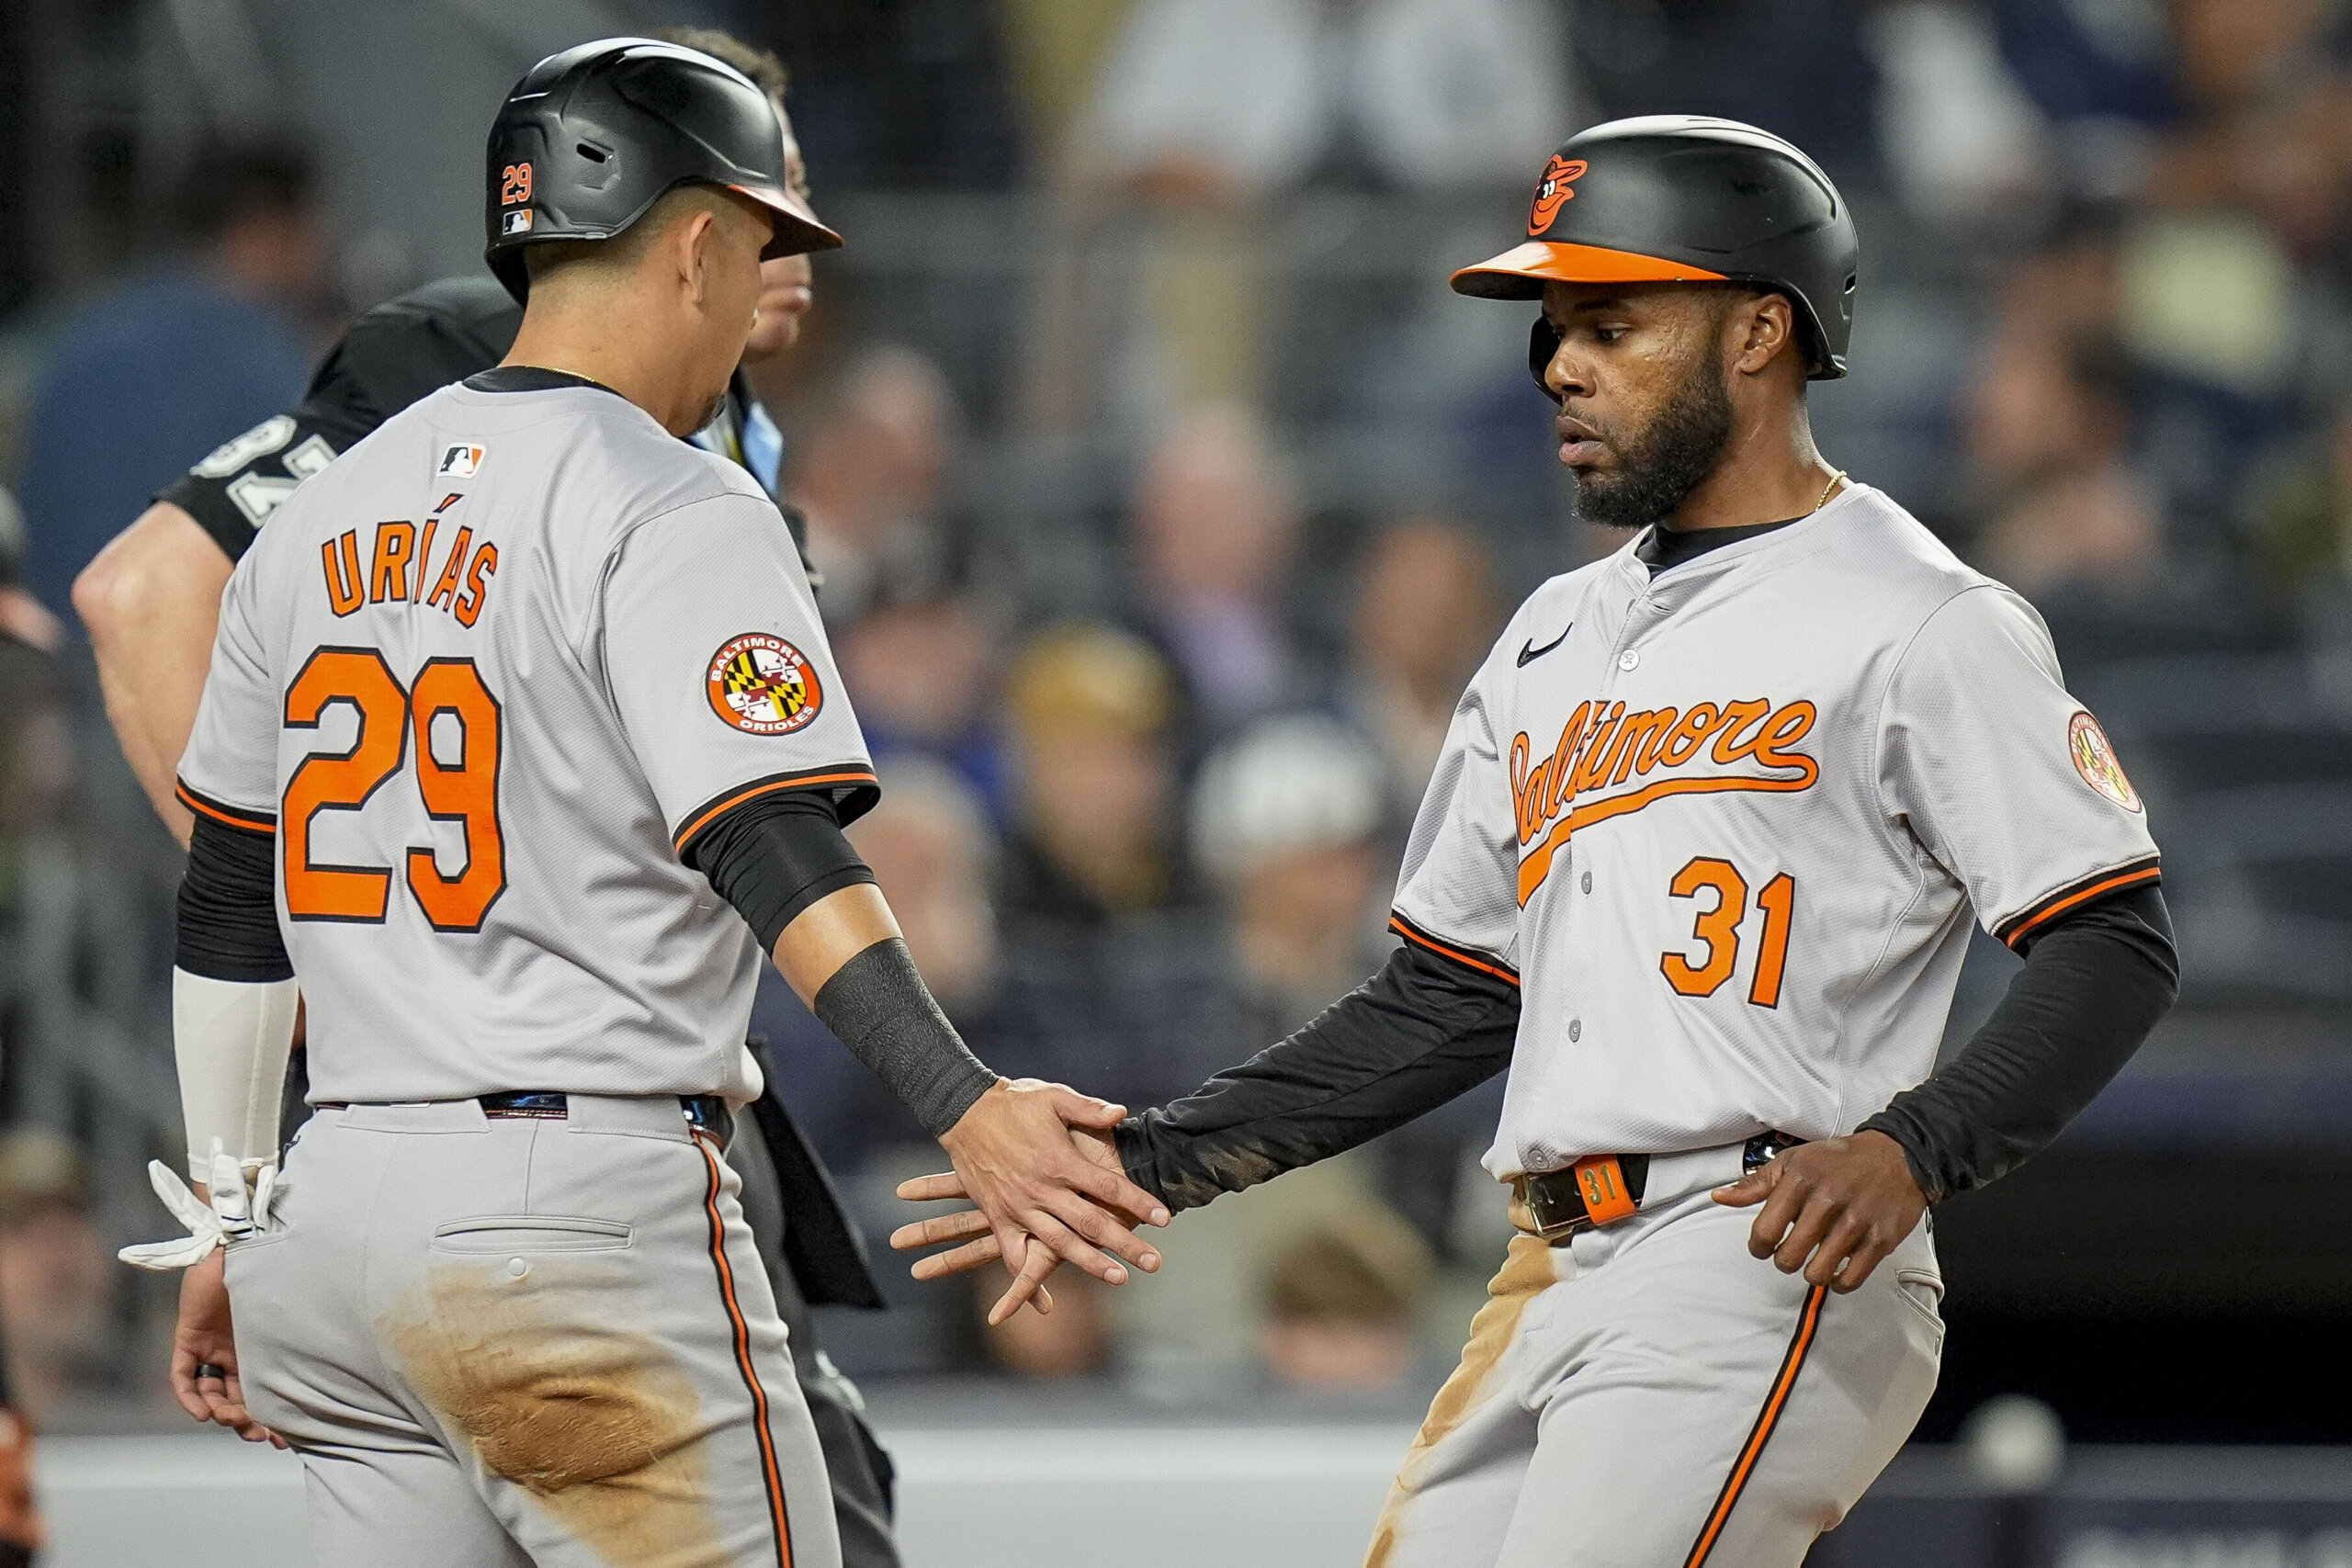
column 1648, row 1394
column 505, row 1342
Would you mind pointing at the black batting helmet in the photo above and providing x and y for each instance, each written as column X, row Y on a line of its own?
column 1684, row 199
column 590, row 137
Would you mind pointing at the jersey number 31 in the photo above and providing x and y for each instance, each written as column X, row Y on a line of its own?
column 448, row 692
column 1718, row 931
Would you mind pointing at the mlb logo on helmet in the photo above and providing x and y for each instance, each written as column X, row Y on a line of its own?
column 517, row 222
column 461, row 462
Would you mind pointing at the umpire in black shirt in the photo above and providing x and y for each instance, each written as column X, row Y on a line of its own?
column 152, row 601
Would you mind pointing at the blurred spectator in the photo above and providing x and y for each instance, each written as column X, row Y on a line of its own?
column 1070, row 1341
column 874, row 477
column 1236, row 99
column 923, row 673
column 1342, row 1300
column 1964, row 142
column 144, row 380
column 2303, row 527
column 22, row 616
column 1214, row 522
column 2048, row 427
column 56, row 1279
column 1092, row 777
column 1424, row 615
column 1286, row 820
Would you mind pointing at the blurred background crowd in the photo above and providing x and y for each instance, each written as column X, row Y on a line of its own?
column 1166, row 499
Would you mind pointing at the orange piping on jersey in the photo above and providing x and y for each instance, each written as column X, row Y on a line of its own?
column 798, row 781
column 1808, row 1323
column 1468, row 960
column 252, row 821
column 2126, row 879
column 1538, row 863
column 769, row 1475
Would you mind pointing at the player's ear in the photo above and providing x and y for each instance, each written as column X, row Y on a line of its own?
column 697, row 237
column 1763, row 326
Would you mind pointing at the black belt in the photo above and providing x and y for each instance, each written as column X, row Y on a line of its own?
column 705, row 1112
column 1600, row 1190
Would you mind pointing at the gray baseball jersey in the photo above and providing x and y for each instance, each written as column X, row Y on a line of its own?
column 486, row 675
column 1723, row 823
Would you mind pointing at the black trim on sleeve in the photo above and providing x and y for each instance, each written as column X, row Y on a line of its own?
column 851, row 787
column 1423, row 1030
column 228, row 905
column 2022, row 927
column 774, row 856
column 2096, row 978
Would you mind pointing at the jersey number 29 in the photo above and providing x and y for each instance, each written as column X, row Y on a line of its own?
column 446, row 692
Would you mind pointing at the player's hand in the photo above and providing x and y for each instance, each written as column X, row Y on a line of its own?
column 204, row 1335
column 1015, row 1159
column 979, row 1244
column 1845, row 1203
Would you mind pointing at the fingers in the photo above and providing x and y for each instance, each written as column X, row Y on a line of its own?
column 1083, row 1109
column 1863, row 1256
column 957, row 1226
column 962, row 1260
column 932, row 1189
column 1847, row 1232
column 1811, row 1227
column 1779, row 1211
column 1753, row 1188
column 1029, row 1283
column 1100, row 1230
column 1111, row 1188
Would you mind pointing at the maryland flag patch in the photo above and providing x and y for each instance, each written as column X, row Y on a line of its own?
column 764, row 686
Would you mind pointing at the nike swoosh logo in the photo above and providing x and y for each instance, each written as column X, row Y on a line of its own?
column 1531, row 653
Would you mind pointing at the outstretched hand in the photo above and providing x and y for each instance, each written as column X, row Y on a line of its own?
column 1844, row 1203
column 979, row 1243
column 1019, row 1154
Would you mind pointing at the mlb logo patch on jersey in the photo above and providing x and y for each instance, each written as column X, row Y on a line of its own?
column 764, row 686
column 462, row 462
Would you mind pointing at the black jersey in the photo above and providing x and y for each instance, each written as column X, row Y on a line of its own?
column 386, row 360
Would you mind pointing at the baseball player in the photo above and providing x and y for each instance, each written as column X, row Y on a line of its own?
column 150, row 602
column 1696, row 867
column 522, row 741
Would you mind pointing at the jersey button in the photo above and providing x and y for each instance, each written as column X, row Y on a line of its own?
column 1575, row 1030
column 1628, row 659
column 516, row 1268
column 1588, row 882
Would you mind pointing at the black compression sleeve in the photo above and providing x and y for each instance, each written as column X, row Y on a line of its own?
column 880, row 1009
column 228, row 905
column 1422, row 1030
column 774, row 856
column 2095, row 982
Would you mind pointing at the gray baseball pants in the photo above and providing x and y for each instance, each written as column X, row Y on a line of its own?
column 504, row 1342
column 1648, row 1394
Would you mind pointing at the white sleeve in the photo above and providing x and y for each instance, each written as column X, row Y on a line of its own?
column 231, row 1039
column 718, row 667
column 1996, row 770
column 1458, row 893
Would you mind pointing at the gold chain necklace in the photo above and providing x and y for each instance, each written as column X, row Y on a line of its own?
column 1835, row 481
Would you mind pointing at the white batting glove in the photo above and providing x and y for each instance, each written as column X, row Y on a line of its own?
column 233, row 1214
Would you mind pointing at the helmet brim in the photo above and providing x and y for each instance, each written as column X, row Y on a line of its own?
column 1521, row 272
column 797, row 232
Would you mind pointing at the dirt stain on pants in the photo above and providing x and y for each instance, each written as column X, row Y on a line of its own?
column 597, row 1425
column 1526, row 1273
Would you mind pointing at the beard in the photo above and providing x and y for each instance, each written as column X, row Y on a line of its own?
column 1655, row 473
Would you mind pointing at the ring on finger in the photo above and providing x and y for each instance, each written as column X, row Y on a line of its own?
column 212, row 1369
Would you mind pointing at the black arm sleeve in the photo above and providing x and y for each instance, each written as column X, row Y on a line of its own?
column 2095, row 982
column 774, row 856
column 1422, row 1030
column 228, row 905
column 881, row 1010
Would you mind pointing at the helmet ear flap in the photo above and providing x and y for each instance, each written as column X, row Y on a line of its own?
column 1543, row 342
